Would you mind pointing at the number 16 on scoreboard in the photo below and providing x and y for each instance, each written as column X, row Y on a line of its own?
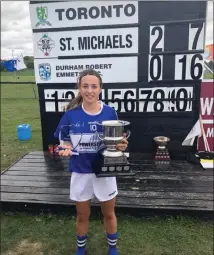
column 188, row 66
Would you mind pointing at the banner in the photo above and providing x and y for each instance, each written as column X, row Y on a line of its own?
column 82, row 13
column 207, row 114
column 112, row 70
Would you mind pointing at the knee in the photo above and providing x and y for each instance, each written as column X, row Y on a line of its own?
column 109, row 216
column 83, row 216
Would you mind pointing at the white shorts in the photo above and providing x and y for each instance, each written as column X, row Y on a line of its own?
column 85, row 186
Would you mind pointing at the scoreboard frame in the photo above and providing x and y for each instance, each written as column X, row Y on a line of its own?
column 168, row 105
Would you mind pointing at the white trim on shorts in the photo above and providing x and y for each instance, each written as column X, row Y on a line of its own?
column 84, row 187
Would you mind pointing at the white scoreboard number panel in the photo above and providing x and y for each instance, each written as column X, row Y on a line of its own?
column 164, row 99
column 156, row 38
column 121, row 99
column 155, row 68
column 155, row 71
column 188, row 66
column 196, row 36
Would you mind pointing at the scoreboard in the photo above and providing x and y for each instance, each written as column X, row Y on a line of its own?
column 149, row 54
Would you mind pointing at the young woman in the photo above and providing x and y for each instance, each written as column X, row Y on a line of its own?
column 80, row 118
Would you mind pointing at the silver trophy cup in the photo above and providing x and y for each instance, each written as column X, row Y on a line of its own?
column 113, row 133
column 112, row 161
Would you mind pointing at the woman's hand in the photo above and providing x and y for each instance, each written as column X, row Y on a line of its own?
column 123, row 145
column 64, row 150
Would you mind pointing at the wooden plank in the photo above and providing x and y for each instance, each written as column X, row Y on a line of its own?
column 157, row 203
column 146, row 164
column 42, row 160
column 40, row 204
column 122, row 193
column 38, row 164
column 144, row 168
column 18, row 172
column 37, row 173
column 165, row 188
column 34, row 178
column 38, row 153
column 35, row 169
column 172, row 177
column 56, row 184
column 122, row 186
column 30, row 156
column 155, row 179
column 36, row 190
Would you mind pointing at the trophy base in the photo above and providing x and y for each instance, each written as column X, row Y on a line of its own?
column 107, row 166
column 162, row 155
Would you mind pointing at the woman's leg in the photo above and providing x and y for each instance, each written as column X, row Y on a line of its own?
column 110, row 224
column 82, row 222
column 81, row 192
column 105, row 189
column 110, row 220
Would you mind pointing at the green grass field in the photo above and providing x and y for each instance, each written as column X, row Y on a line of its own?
column 25, row 75
column 55, row 235
column 18, row 105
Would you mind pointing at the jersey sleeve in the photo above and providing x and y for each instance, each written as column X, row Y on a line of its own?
column 62, row 130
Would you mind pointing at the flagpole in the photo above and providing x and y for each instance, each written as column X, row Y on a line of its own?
column 13, row 59
column 14, row 76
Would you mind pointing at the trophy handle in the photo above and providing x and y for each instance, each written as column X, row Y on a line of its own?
column 76, row 146
column 128, row 134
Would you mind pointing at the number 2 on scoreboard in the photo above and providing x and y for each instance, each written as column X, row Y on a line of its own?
column 156, row 38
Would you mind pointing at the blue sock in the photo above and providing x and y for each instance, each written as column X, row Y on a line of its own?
column 112, row 242
column 81, row 245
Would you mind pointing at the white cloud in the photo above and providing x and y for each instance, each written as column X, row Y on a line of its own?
column 16, row 33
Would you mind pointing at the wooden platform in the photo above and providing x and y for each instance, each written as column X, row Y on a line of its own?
column 39, row 182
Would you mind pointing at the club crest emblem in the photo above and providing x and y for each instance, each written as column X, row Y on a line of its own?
column 46, row 44
column 42, row 15
column 45, row 71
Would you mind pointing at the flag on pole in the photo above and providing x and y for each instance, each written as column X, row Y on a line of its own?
column 194, row 132
column 19, row 64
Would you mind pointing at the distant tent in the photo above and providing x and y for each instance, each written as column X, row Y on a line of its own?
column 15, row 64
